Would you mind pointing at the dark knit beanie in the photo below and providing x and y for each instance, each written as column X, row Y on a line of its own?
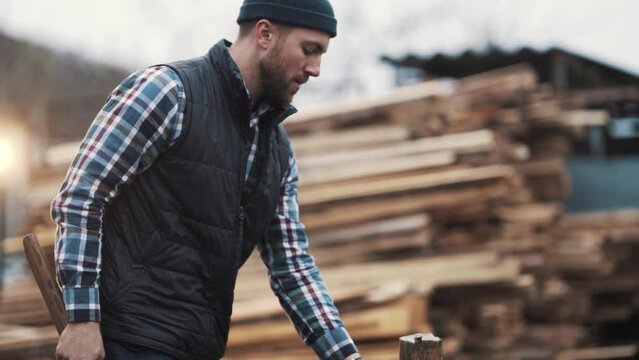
column 314, row 14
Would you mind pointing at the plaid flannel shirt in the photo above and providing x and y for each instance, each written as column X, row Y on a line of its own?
column 141, row 118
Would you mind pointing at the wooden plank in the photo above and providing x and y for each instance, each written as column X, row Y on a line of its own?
column 338, row 113
column 537, row 213
column 503, row 83
column 404, row 224
column 463, row 143
column 366, row 210
column 386, row 247
column 14, row 338
column 320, row 195
column 608, row 352
column 548, row 178
column 602, row 219
column 332, row 141
column 371, row 169
column 61, row 155
column 380, row 349
column 394, row 318
column 422, row 274
column 578, row 99
column 557, row 116
column 13, row 245
column 42, row 193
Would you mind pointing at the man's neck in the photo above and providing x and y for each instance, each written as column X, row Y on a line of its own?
column 242, row 54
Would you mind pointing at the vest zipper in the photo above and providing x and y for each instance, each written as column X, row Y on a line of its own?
column 242, row 172
column 242, row 217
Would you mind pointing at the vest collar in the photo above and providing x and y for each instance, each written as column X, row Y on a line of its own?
column 235, row 86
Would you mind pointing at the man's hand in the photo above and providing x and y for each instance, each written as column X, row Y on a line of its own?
column 80, row 341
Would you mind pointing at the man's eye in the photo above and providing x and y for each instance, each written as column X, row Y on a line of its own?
column 307, row 51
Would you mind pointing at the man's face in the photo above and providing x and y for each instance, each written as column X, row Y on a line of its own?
column 293, row 58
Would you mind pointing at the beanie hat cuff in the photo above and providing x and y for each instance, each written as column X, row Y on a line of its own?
column 288, row 15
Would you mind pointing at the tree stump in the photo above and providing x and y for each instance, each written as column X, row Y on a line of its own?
column 421, row 346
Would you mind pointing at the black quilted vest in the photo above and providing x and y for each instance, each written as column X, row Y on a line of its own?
column 175, row 238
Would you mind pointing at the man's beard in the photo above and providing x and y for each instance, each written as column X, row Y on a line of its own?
column 275, row 86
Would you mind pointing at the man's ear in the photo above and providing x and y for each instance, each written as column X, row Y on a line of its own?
column 264, row 33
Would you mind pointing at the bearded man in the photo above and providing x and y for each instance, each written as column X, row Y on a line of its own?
column 184, row 171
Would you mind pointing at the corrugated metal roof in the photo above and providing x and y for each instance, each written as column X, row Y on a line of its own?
column 554, row 65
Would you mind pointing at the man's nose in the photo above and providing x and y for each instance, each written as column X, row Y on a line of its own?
column 313, row 68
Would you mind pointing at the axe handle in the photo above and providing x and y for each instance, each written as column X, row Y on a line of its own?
column 46, row 281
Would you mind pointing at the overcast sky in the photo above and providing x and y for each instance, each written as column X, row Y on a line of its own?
column 137, row 33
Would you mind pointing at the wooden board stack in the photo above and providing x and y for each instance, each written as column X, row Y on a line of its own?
column 433, row 208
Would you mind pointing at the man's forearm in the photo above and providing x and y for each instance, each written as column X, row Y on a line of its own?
column 296, row 280
column 77, row 253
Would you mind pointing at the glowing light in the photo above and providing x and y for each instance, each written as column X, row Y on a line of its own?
column 6, row 155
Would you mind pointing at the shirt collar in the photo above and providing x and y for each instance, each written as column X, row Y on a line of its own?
column 261, row 110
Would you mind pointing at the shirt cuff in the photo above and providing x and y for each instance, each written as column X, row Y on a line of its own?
column 336, row 345
column 82, row 303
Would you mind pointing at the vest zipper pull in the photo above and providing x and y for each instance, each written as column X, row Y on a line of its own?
column 242, row 216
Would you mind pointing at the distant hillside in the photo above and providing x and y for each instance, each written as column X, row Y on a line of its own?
column 56, row 94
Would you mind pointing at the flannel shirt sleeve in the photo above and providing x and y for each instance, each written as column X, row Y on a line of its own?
column 140, row 119
column 296, row 281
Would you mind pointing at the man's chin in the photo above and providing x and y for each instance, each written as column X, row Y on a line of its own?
column 282, row 102
column 287, row 99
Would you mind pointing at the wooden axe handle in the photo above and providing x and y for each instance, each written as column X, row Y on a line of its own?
column 46, row 281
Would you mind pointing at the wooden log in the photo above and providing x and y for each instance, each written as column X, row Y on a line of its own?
column 420, row 346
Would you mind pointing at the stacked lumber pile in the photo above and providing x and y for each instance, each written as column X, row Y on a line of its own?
column 482, row 169
column 434, row 208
